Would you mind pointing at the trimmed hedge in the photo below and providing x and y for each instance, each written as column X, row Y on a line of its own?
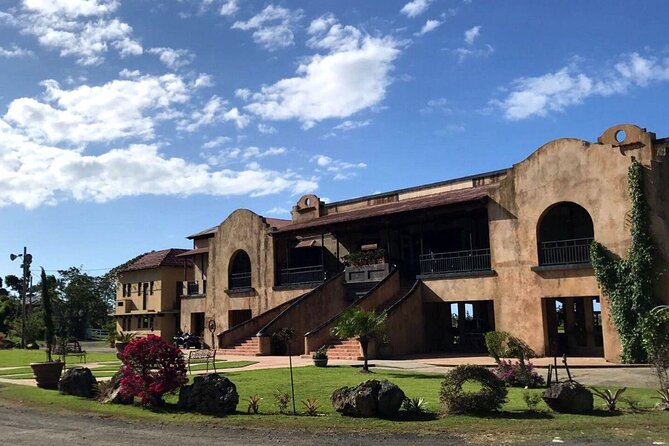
column 457, row 401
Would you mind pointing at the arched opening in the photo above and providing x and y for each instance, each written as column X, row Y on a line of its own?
column 564, row 234
column 240, row 271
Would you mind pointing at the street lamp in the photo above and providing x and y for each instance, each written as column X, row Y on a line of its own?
column 27, row 260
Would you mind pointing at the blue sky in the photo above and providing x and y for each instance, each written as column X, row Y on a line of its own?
column 127, row 125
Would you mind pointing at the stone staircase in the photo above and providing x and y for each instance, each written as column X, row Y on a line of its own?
column 405, row 287
column 244, row 347
column 346, row 349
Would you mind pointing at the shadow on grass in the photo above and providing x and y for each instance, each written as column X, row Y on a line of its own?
column 515, row 415
column 412, row 375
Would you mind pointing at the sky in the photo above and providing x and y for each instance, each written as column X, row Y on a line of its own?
column 126, row 125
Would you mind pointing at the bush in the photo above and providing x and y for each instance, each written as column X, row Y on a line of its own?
column 532, row 399
column 501, row 344
column 282, row 400
column 488, row 399
column 151, row 368
column 517, row 374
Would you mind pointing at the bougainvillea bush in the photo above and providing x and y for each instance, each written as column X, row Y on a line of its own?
column 517, row 374
column 151, row 368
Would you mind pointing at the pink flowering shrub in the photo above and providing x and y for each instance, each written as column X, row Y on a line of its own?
column 518, row 374
column 151, row 368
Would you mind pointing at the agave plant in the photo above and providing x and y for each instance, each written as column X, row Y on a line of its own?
column 610, row 398
column 254, row 404
column 414, row 405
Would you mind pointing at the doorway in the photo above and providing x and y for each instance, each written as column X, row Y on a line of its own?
column 236, row 317
column 458, row 327
column 573, row 326
column 197, row 324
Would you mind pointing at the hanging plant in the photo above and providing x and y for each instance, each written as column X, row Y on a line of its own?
column 628, row 282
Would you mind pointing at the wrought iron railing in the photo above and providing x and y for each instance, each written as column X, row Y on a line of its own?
column 564, row 252
column 239, row 280
column 192, row 288
column 455, row 262
column 304, row 274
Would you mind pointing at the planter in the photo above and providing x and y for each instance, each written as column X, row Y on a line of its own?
column 47, row 374
column 120, row 346
column 320, row 362
column 367, row 273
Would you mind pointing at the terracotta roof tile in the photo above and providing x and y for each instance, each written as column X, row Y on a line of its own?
column 397, row 207
column 277, row 222
column 157, row 259
column 203, row 234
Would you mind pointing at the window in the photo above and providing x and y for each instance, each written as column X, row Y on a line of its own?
column 564, row 233
column 145, row 296
column 240, row 271
column 139, row 288
column 120, row 303
column 151, row 288
column 144, row 322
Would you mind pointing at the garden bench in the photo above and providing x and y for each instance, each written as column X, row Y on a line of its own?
column 205, row 356
column 72, row 348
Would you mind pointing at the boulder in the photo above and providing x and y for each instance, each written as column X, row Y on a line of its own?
column 78, row 381
column 113, row 393
column 371, row 398
column 210, row 394
column 568, row 397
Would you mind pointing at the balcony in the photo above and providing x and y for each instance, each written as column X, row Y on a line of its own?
column 565, row 252
column 455, row 262
column 193, row 288
column 303, row 274
column 237, row 281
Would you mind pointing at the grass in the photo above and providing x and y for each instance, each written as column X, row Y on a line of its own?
column 17, row 357
column 514, row 422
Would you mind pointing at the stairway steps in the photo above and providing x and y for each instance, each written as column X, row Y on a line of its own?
column 243, row 347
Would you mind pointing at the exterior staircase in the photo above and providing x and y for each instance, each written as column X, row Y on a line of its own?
column 244, row 347
column 405, row 287
column 346, row 349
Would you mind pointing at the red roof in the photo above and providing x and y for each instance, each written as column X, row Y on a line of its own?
column 192, row 252
column 157, row 259
column 204, row 234
column 277, row 223
column 397, row 207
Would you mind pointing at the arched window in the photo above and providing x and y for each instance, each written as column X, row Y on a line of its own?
column 565, row 232
column 240, row 271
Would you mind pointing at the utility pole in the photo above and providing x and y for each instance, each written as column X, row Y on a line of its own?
column 25, row 266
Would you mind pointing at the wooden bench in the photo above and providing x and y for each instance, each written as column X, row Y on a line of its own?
column 205, row 356
column 71, row 348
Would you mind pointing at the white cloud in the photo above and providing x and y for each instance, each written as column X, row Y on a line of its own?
column 277, row 211
column 437, row 104
column 79, row 28
column 554, row 92
column 429, row 26
column 229, row 8
column 415, row 8
column 243, row 93
column 464, row 53
column 14, row 51
column 340, row 170
column 118, row 109
column 173, row 58
column 212, row 112
column 245, row 155
column 352, row 76
column 266, row 129
column 471, row 34
column 216, row 142
column 326, row 33
column 32, row 174
column 272, row 27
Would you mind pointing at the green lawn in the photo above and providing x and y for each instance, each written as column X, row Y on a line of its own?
column 513, row 423
column 17, row 357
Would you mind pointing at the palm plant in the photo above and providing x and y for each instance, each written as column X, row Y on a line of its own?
column 364, row 326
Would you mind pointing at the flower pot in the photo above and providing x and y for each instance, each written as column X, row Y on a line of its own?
column 385, row 351
column 47, row 374
column 320, row 362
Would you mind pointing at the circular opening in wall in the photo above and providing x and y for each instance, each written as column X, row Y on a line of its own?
column 308, row 201
column 621, row 136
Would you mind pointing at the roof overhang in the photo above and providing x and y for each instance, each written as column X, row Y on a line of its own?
column 193, row 252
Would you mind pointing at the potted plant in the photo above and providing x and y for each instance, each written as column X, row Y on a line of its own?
column 385, row 350
column 47, row 374
column 122, row 340
column 320, row 357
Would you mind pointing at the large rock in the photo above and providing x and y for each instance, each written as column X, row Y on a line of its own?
column 210, row 394
column 568, row 397
column 371, row 398
column 113, row 393
column 78, row 381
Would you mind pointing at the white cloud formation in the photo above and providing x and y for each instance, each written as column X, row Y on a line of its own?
column 229, row 8
column 415, row 8
column 78, row 28
column 272, row 27
column 266, row 129
column 471, row 34
column 352, row 76
column 118, row 109
column 212, row 112
column 554, row 92
column 437, row 104
column 173, row 58
column 243, row 155
column 32, row 174
column 340, row 170
column 216, row 142
column 14, row 51
column 429, row 26
column 278, row 211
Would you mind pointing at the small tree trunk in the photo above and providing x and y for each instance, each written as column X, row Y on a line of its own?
column 364, row 344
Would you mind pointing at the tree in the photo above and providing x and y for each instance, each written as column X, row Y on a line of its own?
column 48, row 316
column 85, row 301
column 364, row 326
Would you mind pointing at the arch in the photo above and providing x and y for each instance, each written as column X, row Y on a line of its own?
column 564, row 233
column 239, row 271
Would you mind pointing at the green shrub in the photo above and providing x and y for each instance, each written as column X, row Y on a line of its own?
column 532, row 399
column 456, row 400
column 501, row 344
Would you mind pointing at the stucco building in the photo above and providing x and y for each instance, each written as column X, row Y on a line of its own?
column 505, row 250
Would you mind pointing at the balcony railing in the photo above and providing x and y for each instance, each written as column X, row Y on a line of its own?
column 565, row 252
column 455, row 262
column 192, row 288
column 304, row 274
column 239, row 280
